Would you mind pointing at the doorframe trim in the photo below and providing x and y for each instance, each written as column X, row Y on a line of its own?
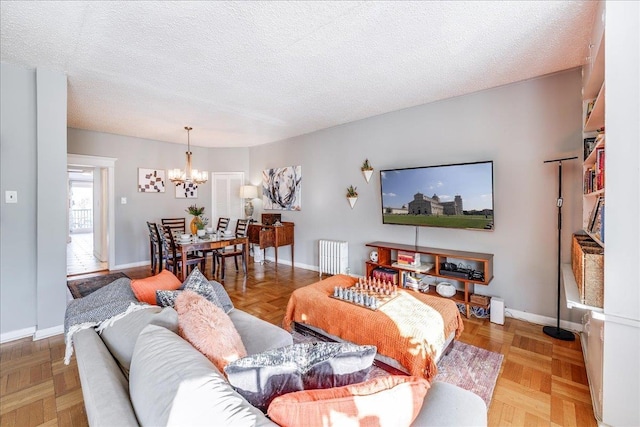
column 109, row 163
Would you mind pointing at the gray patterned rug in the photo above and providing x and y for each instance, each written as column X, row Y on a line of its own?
column 469, row 367
column 82, row 287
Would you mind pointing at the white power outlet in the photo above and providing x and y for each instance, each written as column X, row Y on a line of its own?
column 11, row 197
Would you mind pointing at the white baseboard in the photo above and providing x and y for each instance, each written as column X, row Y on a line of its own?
column 541, row 320
column 48, row 332
column 300, row 265
column 131, row 265
column 31, row 332
column 16, row 335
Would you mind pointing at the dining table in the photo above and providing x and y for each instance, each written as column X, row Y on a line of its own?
column 210, row 242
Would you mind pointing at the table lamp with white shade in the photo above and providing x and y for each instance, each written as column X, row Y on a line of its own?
column 248, row 192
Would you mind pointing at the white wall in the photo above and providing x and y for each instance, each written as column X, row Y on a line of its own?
column 51, row 199
column 517, row 126
column 18, row 172
column 131, row 234
column 33, row 162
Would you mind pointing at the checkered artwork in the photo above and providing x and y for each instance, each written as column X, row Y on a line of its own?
column 187, row 191
column 150, row 180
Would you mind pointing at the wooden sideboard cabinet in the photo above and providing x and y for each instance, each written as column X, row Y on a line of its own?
column 272, row 236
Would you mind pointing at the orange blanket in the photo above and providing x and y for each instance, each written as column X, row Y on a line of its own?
column 411, row 328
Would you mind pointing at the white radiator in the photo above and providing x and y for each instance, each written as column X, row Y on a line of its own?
column 334, row 257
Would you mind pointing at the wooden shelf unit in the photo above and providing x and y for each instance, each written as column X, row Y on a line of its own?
column 387, row 256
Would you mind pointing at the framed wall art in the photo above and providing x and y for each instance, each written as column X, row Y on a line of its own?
column 188, row 190
column 281, row 188
column 151, row 180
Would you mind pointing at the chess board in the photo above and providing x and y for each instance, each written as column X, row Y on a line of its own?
column 381, row 297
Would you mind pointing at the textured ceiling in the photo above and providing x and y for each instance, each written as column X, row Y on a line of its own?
column 248, row 73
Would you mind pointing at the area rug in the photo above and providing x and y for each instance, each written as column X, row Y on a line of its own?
column 82, row 287
column 469, row 367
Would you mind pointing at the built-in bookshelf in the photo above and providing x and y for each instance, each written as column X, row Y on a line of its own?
column 593, row 203
column 593, row 95
column 593, row 187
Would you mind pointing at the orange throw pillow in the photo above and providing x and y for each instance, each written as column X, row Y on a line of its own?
column 145, row 289
column 209, row 329
column 383, row 401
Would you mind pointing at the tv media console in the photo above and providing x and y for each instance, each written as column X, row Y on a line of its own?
column 467, row 268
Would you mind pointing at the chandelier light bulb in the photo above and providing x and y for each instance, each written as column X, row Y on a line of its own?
column 189, row 175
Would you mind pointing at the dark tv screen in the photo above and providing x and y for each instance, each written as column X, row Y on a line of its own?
column 451, row 196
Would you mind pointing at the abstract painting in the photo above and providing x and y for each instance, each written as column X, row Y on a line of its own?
column 281, row 188
column 150, row 180
column 188, row 190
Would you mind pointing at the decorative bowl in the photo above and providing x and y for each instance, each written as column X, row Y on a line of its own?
column 446, row 289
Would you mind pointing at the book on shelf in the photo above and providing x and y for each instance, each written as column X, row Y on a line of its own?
column 589, row 179
column 420, row 268
column 602, row 223
column 595, row 218
column 408, row 258
column 590, row 106
column 589, row 144
column 385, row 275
column 599, row 169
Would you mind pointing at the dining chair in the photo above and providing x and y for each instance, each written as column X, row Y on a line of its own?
column 178, row 225
column 155, row 247
column 173, row 259
column 234, row 251
column 223, row 224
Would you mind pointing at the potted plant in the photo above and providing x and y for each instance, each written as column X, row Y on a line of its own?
column 352, row 195
column 196, row 212
column 201, row 224
column 366, row 169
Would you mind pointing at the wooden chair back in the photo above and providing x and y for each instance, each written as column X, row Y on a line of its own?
column 234, row 251
column 241, row 227
column 173, row 259
column 177, row 225
column 155, row 247
column 223, row 224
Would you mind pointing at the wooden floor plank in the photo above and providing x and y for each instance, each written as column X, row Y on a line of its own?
column 542, row 380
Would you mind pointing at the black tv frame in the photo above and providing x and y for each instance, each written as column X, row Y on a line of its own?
column 416, row 215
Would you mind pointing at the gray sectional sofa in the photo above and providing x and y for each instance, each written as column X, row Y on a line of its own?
column 138, row 371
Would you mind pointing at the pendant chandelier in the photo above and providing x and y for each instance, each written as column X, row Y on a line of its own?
column 189, row 175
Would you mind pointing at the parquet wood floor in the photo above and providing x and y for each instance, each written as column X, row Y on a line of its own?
column 542, row 381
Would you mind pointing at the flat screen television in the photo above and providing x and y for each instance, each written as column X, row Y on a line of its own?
column 451, row 196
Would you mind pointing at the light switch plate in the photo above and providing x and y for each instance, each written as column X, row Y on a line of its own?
column 11, row 197
column 123, row 200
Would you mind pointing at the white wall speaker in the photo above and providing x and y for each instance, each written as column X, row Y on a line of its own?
column 497, row 310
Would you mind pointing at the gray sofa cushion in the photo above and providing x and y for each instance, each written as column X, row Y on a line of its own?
column 258, row 335
column 171, row 383
column 120, row 337
column 104, row 387
column 449, row 405
column 222, row 295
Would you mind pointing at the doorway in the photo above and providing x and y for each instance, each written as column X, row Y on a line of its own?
column 84, row 249
column 90, row 219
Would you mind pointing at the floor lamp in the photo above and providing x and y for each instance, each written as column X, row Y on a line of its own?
column 557, row 331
